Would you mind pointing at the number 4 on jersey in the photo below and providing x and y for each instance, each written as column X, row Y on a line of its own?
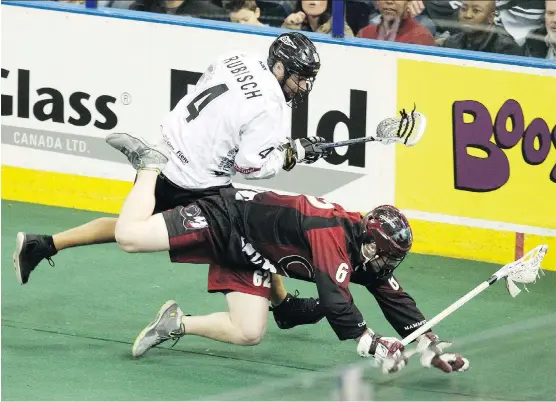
column 208, row 95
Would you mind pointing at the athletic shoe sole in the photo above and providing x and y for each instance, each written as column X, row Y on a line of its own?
column 116, row 142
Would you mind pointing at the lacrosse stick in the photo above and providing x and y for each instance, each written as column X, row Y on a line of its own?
column 408, row 130
column 525, row 270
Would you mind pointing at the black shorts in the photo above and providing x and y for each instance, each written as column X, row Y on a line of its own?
column 169, row 196
column 189, row 234
column 192, row 241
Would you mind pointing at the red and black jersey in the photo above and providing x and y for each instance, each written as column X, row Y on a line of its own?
column 300, row 237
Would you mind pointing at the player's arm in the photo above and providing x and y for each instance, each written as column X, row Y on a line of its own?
column 265, row 148
column 332, row 277
column 398, row 307
column 259, row 155
column 401, row 311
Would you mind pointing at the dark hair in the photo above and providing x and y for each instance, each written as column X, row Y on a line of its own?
column 236, row 5
column 323, row 18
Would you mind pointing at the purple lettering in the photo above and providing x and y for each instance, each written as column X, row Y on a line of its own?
column 537, row 129
column 472, row 173
column 504, row 138
column 553, row 173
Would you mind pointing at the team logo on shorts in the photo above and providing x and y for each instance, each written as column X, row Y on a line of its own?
column 192, row 218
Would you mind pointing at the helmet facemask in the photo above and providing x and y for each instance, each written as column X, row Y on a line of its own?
column 386, row 240
column 295, row 94
column 301, row 63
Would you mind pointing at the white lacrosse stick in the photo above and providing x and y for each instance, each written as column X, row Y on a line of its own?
column 407, row 130
column 524, row 270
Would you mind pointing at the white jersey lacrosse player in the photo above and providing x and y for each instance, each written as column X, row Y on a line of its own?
column 233, row 121
column 236, row 120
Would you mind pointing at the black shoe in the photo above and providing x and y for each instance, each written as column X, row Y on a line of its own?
column 294, row 311
column 30, row 250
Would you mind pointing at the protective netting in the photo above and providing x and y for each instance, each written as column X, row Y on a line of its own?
column 363, row 382
column 517, row 27
column 351, row 383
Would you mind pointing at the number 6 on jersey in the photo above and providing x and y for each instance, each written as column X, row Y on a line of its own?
column 342, row 272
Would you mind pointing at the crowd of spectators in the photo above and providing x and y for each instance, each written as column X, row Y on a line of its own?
column 514, row 27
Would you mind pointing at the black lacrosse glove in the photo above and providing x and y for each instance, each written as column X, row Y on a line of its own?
column 303, row 150
column 309, row 149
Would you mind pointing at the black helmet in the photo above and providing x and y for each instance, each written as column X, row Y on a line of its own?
column 299, row 56
column 387, row 230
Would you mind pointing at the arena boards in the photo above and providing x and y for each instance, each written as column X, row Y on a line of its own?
column 476, row 187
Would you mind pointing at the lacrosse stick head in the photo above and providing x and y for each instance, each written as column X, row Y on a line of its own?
column 525, row 270
column 407, row 129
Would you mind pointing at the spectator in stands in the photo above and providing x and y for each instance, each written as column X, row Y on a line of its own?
column 193, row 8
column 479, row 32
column 542, row 42
column 314, row 16
column 397, row 25
column 359, row 13
column 123, row 4
column 438, row 16
column 243, row 11
column 519, row 17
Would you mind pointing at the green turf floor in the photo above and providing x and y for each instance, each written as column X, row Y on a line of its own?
column 67, row 334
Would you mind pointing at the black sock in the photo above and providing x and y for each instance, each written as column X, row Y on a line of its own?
column 51, row 246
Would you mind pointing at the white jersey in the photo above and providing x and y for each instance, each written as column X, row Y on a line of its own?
column 232, row 121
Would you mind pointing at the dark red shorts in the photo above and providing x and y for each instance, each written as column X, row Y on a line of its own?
column 253, row 282
column 189, row 235
column 191, row 242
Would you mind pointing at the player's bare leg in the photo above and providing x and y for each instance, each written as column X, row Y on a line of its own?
column 31, row 249
column 137, row 230
column 244, row 324
column 98, row 231
column 278, row 292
